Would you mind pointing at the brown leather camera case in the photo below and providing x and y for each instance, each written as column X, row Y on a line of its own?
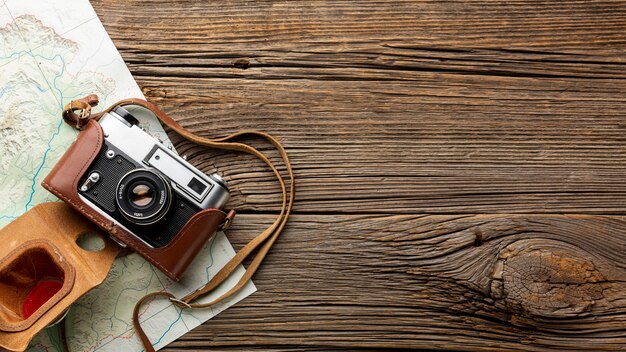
column 172, row 259
column 41, row 246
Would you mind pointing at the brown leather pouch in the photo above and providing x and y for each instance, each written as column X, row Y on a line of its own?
column 39, row 252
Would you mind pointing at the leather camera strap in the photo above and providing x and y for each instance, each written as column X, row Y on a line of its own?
column 78, row 112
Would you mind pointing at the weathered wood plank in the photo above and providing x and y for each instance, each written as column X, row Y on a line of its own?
column 571, row 38
column 440, row 144
column 401, row 107
column 468, row 282
column 578, row 26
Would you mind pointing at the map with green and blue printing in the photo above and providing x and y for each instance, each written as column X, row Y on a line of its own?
column 50, row 53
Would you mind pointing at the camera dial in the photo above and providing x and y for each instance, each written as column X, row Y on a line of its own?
column 143, row 196
column 123, row 113
column 217, row 178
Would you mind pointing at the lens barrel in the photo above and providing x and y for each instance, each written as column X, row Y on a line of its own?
column 143, row 196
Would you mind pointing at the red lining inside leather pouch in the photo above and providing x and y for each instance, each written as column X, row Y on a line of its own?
column 33, row 278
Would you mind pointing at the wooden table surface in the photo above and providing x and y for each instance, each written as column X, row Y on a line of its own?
column 461, row 165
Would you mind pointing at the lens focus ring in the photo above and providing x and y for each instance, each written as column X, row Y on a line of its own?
column 143, row 196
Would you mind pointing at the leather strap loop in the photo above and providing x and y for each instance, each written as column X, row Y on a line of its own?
column 265, row 240
column 82, row 105
column 228, row 220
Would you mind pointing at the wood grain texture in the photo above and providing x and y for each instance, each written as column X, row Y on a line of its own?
column 411, row 107
column 491, row 117
column 466, row 282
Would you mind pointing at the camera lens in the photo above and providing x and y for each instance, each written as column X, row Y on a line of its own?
column 143, row 197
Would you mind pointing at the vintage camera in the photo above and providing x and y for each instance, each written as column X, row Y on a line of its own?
column 144, row 187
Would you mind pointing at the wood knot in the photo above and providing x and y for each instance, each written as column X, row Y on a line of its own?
column 242, row 64
column 154, row 93
column 543, row 278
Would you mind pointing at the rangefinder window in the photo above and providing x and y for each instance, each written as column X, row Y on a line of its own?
column 196, row 186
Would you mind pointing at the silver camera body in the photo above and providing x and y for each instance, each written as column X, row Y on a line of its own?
column 143, row 186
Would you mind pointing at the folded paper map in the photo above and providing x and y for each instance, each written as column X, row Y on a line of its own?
column 52, row 52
